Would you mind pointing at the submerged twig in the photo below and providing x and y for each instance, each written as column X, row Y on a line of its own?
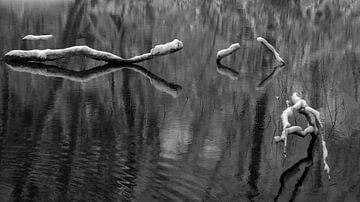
column 37, row 37
column 54, row 54
column 87, row 75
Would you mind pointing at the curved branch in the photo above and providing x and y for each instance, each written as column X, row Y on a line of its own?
column 301, row 106
column 222, row 69
column 54, row 54
column 228, row 51
column 87, row 75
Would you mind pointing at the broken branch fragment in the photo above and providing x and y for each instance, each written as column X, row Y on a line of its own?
column 37, row 37
column 271, row 48
column 54, row 54
column 163, row 49
column 228, row 51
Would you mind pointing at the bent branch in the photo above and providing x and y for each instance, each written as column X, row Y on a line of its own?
column 54, row 54
column 314, row 123
column 271, row 48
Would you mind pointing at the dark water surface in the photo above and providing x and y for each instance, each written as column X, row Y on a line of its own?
column 120, row 137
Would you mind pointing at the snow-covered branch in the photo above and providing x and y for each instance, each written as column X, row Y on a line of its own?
column 271, row 48
column 314, row 124
column 54, row 54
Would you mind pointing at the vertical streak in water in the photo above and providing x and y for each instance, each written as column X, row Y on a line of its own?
column 243, row 131
column 314, row 101
column 130, row 139
column 5, row 108
column 68, row 153
column 126, row 94
column 257, row 140
column 73, row 24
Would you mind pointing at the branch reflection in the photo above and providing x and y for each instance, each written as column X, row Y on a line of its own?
column 89, row 74
column 226, row 71
column 303, row 164
column 270, row 77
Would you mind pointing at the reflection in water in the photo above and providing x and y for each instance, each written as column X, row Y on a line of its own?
column 226, row 71
column 116, row 138
column 270, row 77
column 303, row 165
column 87, row 75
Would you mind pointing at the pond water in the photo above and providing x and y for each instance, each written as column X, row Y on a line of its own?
column 120, row 137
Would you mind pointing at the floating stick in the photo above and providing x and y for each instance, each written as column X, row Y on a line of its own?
column 228, row 51
column 54, row 54
column 37, row 37
column 222, row 69
column 271, row 48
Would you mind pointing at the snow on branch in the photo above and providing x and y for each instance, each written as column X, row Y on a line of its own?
column 228, row 51
column 37, row 37
column 271, row 48
column 313, row 117
column 54, row 54
column 222, row 69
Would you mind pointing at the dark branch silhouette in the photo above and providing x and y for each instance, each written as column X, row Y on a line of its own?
column 270, row 77
column 86, row 75
column 289, row 173
column 226, row 71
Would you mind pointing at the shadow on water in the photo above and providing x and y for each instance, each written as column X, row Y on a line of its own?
column 303, row 165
